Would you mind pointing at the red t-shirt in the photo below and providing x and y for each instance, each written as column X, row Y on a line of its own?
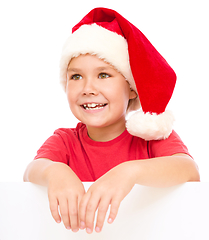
column 90, row 159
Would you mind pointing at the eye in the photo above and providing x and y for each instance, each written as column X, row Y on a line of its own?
column 104, row 75
column 76, row 77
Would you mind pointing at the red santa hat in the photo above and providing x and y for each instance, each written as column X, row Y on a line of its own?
column 108, row 35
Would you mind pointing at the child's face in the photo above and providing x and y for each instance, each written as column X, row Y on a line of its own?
column 98, row 95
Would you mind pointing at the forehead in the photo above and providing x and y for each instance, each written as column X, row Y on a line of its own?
column 89, row 61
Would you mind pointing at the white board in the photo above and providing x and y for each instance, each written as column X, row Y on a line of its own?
column 180, row 213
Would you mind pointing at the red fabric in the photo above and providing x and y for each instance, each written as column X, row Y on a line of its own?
column 155, row 79
column 90, row 159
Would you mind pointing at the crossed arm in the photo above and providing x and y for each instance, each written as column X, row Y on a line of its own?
column 77, row 207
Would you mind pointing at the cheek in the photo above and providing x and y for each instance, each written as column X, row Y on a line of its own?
column 120, row 98
column 124, row 93
column 71, row 97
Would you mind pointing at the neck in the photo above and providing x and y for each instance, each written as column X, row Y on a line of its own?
column 105, row 134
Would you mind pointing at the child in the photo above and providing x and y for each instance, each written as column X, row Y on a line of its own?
column 108, row 69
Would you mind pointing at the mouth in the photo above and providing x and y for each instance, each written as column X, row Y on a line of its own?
column 93, row 106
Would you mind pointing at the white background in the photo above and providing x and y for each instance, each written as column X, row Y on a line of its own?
column 32, row 103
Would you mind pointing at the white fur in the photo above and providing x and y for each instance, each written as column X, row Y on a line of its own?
column 150, row 126
column 96, row 40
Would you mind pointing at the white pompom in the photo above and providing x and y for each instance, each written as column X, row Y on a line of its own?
column 150, row 126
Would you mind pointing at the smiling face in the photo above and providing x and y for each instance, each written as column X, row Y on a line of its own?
column 98, row 95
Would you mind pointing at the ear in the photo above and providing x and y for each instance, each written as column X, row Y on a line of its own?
column 132, row 94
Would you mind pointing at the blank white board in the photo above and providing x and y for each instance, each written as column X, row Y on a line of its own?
column 180, row 212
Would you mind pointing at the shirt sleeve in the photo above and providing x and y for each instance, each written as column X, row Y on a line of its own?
column 170, row 146
column 54, row 148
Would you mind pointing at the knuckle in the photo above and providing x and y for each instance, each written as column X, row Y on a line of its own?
column 90, row 207
column 100, row 219
column 114, row 208
column 66, row 220
column 102, row 209
column 64, row 212
column 113, row 211
column 53, row 208
column 55, row 215
column 54, row 212
column 101, row 189
column 74, row 212
column 81, row 206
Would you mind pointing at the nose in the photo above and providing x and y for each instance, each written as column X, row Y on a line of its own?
column 90, row 87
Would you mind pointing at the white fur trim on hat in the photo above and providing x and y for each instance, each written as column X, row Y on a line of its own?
column 150, row 126
column 96, row 40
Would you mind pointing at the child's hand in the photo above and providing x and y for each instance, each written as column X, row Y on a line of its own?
column 111, row 188
column 65, row 190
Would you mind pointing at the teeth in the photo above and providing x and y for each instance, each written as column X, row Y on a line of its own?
column 93, row 106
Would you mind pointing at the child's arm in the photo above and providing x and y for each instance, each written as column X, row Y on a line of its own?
column 64, row 189
column 112, row 187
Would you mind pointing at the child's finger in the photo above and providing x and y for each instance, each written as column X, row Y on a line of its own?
column 73, row 214
column 63, row 205
column 53, row 204
column 88, row 209
column 82, row 210
column 90, row 212
column 81, row 224
column 102, row 210
column 115, row 204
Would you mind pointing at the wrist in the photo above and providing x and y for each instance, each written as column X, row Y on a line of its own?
column 54, row 169
column 132, row 171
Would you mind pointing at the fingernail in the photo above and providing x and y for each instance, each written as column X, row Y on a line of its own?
column 110, row 220
column 97, row 229
column 68, row 227
column 75, row 230
column 82, row 225
column 88, row 230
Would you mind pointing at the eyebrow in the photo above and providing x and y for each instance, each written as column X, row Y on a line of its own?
column 97, row 69
column 104, row 68
column 73, row 69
